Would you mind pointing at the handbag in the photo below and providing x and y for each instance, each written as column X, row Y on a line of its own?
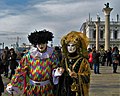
column 116, row 61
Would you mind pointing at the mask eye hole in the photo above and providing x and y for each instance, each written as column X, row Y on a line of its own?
column 72, row 45
column 68, row 45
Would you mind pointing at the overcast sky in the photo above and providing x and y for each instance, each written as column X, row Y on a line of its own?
column 18, row 18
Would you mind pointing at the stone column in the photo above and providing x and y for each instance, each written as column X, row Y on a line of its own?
column 97, row 32
column 107, row 11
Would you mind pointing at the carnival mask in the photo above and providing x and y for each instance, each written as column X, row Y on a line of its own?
column 42, row 47
column 71, row 48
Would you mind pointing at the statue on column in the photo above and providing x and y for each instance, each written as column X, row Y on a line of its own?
column 107, row 5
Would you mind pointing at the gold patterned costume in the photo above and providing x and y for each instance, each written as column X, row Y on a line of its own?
column 76, row 62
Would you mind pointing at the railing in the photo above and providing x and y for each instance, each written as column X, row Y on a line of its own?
column 93, row 39
column 114, row 39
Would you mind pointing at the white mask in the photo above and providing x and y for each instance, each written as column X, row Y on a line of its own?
column 71, row 48
column 41, row 47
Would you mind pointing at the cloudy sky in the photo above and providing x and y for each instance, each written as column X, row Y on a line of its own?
column 18, row 18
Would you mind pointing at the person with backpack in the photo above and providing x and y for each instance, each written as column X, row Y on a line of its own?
column 115, row 59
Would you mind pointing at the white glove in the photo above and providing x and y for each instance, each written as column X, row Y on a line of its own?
column 55, row 78
column 11, row 89
column 58, row 72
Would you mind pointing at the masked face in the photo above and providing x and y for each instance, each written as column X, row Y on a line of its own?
column 71, row 48
column 42, row 47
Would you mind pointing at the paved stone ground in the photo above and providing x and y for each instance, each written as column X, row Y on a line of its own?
column 104, row 84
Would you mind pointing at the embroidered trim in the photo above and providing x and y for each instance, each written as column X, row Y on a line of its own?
column 67, row 68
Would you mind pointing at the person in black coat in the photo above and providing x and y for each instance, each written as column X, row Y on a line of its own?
column 5, row 60
column 13, row 62
column 96, row 56
column 109, row 57
column 115, row 59
column 1, row 85
column 1, row 81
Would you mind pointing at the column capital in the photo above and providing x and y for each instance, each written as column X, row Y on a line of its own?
column 96, row 23
column 107, row 11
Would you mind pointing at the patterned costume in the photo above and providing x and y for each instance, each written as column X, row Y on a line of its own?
column 76, row 62
column 35, row 72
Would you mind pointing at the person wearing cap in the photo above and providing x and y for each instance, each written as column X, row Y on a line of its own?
column 75, row 80
column 37, row 67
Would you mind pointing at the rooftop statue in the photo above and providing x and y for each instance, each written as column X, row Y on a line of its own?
column 107, row 5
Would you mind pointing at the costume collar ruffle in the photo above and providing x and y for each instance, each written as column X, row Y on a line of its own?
column 37, row 54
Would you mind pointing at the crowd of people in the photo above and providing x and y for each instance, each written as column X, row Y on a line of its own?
column 8, row 64
column 96, row 58
column 55, row 71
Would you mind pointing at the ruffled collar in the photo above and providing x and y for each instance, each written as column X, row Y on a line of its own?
column 38, row 55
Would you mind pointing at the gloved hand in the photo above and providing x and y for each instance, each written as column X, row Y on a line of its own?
column 59, row 71
column 11, row 89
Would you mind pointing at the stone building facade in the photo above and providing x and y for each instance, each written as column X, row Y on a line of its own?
column 89, row 29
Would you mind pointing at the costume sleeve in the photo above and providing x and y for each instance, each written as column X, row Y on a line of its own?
column 84, row 71
column 84, row 77
column 55, row 60
column 18, row 78
column 55, row 64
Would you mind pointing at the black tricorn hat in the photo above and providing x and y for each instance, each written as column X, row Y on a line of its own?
column 40, row 37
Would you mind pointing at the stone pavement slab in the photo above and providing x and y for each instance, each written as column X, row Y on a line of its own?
column 106, row 83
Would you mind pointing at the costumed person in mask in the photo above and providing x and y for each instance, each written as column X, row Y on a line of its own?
column 36, row 66
column 76, row 77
